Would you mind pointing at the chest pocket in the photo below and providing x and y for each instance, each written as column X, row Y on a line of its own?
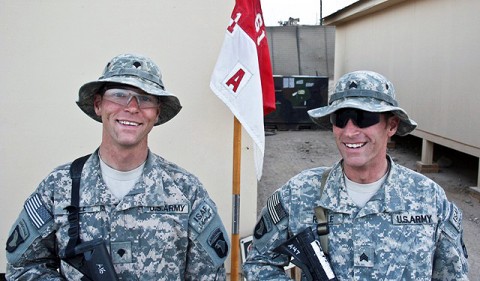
column 404, row 245
column 93, row 224
column 378, row 245
column 157, row 227
column 151, row 241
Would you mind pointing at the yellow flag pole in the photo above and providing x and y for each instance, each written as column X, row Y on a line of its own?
column 237, row 157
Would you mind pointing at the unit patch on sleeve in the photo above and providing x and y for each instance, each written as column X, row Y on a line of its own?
column 202, row 216
column 263, row 226
column 17, row 237
column 217, row 241
column 455, row 217
column 37, row 212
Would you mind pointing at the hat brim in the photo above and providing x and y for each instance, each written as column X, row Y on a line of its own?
column 405, row 126
column 169, row 104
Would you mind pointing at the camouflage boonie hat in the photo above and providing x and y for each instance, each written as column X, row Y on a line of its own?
column 133, row 70
column 365, row 90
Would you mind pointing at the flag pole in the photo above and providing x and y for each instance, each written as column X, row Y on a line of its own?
column 237, row 157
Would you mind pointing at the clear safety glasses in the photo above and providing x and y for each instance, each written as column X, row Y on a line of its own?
column 124, row 97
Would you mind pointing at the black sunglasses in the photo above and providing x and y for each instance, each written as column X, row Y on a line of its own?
column 360, row 118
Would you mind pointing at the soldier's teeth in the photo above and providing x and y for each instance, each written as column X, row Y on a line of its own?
column 354, row 145
column 128, row 123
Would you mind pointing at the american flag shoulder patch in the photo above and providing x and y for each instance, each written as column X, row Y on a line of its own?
column 275, row 208
column 36, row 211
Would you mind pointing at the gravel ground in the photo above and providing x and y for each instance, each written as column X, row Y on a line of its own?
column 289, row 152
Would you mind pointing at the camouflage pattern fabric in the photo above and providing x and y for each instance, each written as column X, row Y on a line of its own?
column 365, row 90
column 166, row 228
column 407, row 231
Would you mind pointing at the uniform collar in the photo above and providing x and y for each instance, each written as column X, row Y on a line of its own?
column 146, row 192
column 389, row 197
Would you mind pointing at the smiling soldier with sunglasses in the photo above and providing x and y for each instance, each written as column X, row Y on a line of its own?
column 384, row 221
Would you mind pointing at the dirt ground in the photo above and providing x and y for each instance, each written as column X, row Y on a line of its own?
column 289, row 152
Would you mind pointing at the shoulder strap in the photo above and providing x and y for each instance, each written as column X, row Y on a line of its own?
column 324, row 179
column 321, row 214
column 73, row 217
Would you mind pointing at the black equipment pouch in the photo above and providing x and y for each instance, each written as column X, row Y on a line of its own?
column 93, row 261
column 307, row 254
column 91, row 258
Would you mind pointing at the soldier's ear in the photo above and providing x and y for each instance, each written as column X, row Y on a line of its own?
column 97, row 102
column 392, row 124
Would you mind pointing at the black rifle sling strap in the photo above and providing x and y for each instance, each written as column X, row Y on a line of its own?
column 320, row 214
column 73, row 209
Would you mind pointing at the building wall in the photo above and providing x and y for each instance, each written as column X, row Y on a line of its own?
column 429, row 50
column 302, row 50
column 50, row 48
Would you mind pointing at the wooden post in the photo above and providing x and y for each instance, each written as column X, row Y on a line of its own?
column 237, row 157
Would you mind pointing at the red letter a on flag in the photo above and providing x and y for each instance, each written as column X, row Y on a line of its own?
column 235, row 80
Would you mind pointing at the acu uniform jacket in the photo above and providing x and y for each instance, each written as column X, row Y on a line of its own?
column 407, row 231
column 165, row 228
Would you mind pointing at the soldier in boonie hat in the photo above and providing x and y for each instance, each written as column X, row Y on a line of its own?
column 368, row 91
column 370, row 215
column 133, row 70
column 148, row 211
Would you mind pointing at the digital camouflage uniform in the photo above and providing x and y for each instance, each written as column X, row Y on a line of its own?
column 165, row 228
column 407, row 231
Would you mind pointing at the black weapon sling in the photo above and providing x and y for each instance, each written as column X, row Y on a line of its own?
column 90, row 258
column 73, row 209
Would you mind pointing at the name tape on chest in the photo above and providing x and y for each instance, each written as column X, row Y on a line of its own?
column 170, row 208
column 413, row 219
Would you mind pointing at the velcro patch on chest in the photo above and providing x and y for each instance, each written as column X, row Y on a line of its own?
column 121, row 252
column 364, row 256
